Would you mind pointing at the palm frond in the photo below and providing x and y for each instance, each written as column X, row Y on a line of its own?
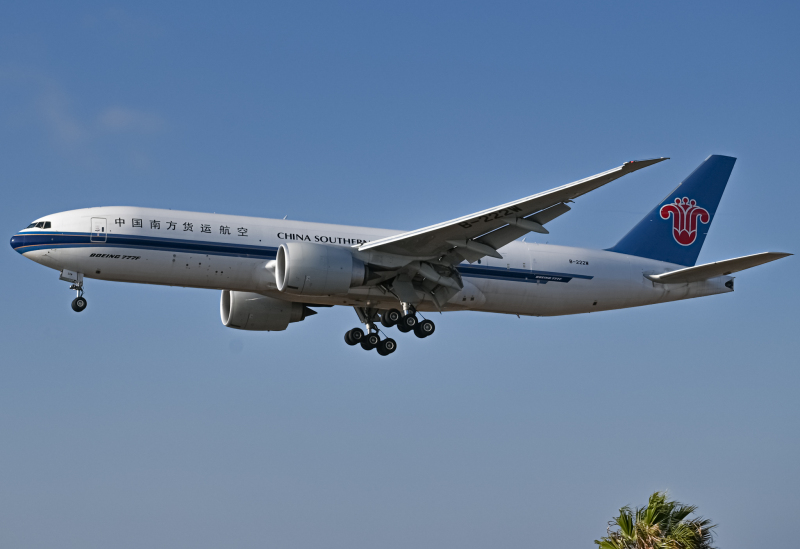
column 625, row 521
column 661, row 524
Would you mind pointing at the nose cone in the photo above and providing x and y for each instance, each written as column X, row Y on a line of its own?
column 17, row 242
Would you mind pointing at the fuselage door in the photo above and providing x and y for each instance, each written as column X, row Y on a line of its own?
column 99, row 229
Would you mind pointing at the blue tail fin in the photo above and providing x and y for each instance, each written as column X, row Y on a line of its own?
column 674, row 231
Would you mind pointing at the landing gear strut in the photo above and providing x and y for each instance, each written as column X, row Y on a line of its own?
column 410, row 323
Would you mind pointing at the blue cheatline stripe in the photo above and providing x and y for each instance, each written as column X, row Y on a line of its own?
column 40, row 241
column 29, row 242
column 518, row 275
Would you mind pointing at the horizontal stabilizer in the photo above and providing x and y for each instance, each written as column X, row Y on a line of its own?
column 712, row 270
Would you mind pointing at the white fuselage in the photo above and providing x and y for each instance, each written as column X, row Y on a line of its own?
column 225, row 252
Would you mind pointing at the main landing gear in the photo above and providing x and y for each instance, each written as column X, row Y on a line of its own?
column 405, row 322
column 408, row 322
column 370, row 341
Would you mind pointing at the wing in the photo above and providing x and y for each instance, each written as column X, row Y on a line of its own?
column 482, row 233
column 712, row 270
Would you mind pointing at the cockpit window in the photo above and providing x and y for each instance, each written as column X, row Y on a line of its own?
column 39, row 225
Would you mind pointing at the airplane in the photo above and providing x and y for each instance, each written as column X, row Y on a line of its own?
column 274, row 272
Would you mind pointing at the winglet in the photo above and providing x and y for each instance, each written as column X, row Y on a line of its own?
column 633, row 165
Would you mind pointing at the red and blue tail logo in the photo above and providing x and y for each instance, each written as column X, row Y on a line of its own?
column 690, row 223
column 685, row 215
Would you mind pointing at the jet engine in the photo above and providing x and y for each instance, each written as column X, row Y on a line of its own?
column 316, row 269
column 248, row 311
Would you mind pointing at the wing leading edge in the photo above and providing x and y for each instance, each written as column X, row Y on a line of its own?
column 482, row 233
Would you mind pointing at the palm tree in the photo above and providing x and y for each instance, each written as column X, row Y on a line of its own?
column 662, row 524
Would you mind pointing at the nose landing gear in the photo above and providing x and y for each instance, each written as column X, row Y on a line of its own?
column 79, row 303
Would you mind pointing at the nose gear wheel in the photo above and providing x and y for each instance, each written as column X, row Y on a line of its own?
column 79, row 303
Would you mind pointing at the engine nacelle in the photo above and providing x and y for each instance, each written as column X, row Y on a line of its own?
column 316, row 269
column 248, row 311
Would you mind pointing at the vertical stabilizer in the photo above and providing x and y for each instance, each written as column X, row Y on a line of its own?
column 674, row 231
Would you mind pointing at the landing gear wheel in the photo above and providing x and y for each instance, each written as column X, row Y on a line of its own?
column 387, row 347
column 407, row 323
column 354, row 336
column 78, row 304
column 390, row 318
column 370, row 341
column 424, row 328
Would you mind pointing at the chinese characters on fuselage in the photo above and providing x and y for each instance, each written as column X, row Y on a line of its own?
column 138, row 223
column 227, row 230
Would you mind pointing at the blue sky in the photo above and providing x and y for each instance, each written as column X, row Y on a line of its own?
column 144, row 422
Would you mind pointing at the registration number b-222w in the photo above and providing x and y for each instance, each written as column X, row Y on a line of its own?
column 499, row 214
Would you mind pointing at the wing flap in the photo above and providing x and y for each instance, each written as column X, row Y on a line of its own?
column 509, row 233
column 712, row 270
